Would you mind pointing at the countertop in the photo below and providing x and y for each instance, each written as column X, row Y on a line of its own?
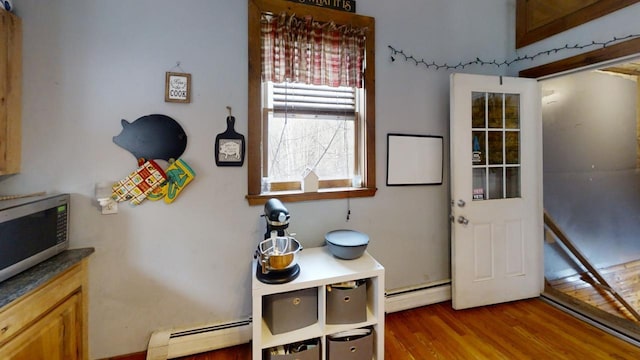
column 19, row 285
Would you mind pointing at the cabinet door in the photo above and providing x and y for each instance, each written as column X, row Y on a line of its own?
column 54, row 337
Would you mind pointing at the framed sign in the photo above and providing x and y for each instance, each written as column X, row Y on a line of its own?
column 177, row 87
column 342, row 5
column 414, row 159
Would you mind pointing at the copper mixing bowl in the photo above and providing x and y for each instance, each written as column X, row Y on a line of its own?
column 278, row 254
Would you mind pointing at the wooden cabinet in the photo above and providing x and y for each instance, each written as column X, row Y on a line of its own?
column 49, row 322
column 318, row 270
column 10, row 92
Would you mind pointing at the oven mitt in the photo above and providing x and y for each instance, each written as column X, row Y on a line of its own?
column 139, row 184
column 179, row 174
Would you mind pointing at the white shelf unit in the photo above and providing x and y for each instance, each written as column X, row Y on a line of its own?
column 318, row 268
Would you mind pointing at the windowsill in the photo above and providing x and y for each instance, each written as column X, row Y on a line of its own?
column 322, row 194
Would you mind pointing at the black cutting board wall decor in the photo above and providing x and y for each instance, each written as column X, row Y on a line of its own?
column 230, row 146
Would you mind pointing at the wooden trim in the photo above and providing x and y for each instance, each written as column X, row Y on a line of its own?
column 526, row 36
column 335, row 183
column 322, row 194
column 286, row 186
column 254, row 146
column 322, row 184
column 612, row 52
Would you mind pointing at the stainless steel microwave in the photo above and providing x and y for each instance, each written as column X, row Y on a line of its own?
column 32, row 230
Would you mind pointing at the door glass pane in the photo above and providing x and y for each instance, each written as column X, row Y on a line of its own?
column 479, row 148
column 479, row 183
column 495, row 143
column 495, row 147
column 513, row 182
column 495, row 183
column 477, row 110
column 494, row 110
column 512, row 111
column 512, row 147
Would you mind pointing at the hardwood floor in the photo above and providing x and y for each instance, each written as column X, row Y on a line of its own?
column 625, row 278
column 529, row 329
column 240, row 352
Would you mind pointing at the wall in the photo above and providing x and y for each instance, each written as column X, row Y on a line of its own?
column 88, row 64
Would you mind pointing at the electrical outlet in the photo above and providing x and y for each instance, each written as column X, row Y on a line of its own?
column 109, row 206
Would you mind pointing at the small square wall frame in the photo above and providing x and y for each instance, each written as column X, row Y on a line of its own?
column 414, row 159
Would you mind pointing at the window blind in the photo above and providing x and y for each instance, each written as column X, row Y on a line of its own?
column 295, row 98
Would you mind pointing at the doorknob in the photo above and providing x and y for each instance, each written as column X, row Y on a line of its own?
column 463, row 220
column 461, row 203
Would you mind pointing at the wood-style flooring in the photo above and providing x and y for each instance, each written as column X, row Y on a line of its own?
column 625, row 278
column 529, row 329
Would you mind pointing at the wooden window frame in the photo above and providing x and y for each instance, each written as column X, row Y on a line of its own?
column 255, row 97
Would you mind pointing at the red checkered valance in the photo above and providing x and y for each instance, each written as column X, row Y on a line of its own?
column 306, row 51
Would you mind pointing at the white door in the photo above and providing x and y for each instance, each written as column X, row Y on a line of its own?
column 496, row 190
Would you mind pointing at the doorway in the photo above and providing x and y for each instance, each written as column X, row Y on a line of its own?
column 591, row 132
column 591, row 185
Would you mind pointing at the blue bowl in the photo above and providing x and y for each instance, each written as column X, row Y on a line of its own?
column 346, row 244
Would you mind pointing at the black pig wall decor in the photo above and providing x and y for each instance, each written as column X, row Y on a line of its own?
column 152, row 137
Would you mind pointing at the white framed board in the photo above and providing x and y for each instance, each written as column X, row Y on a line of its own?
column 414, row 159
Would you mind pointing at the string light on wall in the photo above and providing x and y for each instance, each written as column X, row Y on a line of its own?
column 399, row 53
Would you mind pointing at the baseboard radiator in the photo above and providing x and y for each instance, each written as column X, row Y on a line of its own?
column 417, row 296
column 173, row 343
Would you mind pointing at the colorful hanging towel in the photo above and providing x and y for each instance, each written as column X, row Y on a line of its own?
column 179, row 174
column 140, row 183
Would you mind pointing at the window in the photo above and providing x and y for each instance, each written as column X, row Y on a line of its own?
column 295, row 126
column 310, row 127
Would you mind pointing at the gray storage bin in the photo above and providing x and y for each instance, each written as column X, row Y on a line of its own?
column 291, row 310
column 347, row 306
column 357, row 349
column 309, row 354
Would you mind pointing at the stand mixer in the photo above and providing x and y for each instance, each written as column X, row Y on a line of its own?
column 276, row 254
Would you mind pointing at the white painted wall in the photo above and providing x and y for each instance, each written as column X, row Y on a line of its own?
column 90, row 63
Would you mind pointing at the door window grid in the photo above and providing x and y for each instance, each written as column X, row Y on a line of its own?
column 495, row 146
